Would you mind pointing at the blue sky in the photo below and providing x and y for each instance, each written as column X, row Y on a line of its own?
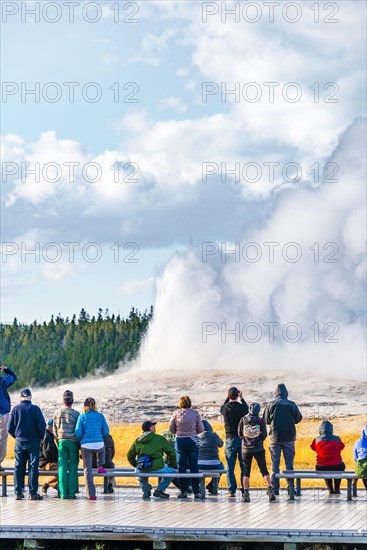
column 168, row 134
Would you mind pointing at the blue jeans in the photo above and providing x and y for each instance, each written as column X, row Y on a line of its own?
column 187, row 456
column 24, row 452
column 275, row 453
column 233, row 452
column 165, row 481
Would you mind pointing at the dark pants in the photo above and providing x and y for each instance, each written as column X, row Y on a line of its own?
column 26, row 452
column 211, row 467
column 187, row 457
column 260, row 459
column 275, row 453
column 233, row 453
column 329, row 482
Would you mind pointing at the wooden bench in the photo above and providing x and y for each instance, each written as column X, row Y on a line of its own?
column 123, row 473
column 312, row 474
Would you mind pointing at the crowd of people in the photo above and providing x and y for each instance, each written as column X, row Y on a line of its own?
column 189, row 444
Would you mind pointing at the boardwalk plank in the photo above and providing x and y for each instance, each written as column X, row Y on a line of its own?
column 216, row 514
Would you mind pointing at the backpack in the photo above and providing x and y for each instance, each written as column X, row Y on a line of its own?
column 252, row 427
column 361, row 468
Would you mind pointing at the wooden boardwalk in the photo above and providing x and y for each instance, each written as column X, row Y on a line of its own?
column 315, row 517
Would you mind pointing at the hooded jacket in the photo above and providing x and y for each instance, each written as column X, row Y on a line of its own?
column 26, row 423
column 154, row 446
column 48, row 449
column 232, row 412
column 250, row 425
column 5, row 383
column 360, row 446
column 282, row 415
column 210, row 443
column 327, row 446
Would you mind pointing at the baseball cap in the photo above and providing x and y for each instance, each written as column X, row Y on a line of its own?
column 26, row 392
column 147, row 425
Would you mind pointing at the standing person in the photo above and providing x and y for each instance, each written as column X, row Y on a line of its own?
column 252, row 430
column 146, row 455
column 27, row 425
column 65, row 421
column 186, row 424
column 91, row 429
column 209, row 452
column 328, row 458
column 282, row 415
column 5, row 406
column 232, row 411
column 360, row 457
column 49, row 457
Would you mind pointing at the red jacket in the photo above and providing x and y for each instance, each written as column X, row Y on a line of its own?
column 328, row 451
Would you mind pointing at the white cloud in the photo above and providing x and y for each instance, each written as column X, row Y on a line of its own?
column 152, row 48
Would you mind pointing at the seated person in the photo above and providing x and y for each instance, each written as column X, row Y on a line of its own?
column 328, row 458
column 146, row 455
column 209, row 452
column 360, row 456
column 109, row 446
column 49, row 456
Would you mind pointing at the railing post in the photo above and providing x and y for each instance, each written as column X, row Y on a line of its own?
column 349, row 489
column 202, row 487
column 298, row 486
column 3, row 487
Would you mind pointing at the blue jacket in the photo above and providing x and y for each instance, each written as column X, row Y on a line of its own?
column 5, row 383
column 91, row 427
column 26, row 423
column 360, row 446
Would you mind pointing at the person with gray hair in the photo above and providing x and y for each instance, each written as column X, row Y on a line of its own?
column 27, row 425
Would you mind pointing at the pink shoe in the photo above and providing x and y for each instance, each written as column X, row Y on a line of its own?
column 92, row 498
column 101, row 471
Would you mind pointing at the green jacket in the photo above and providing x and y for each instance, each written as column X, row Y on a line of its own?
column 153, row 445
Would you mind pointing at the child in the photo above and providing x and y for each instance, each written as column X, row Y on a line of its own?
column 360, row 456
column 109, row 446
column 252, row 430
column 328, row 458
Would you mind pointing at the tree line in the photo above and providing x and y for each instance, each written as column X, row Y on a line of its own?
column 64, row 349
